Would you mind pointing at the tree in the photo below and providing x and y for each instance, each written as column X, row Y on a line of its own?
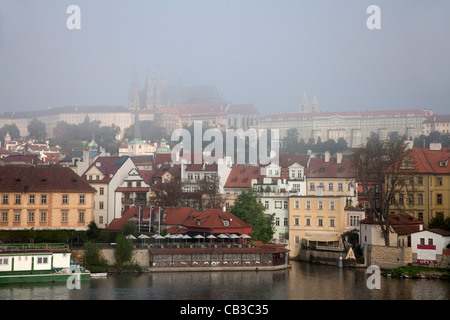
column 380, row 171
column 93, row 231
column 122, row 251
column 168, row 194
column 211, row 196
column 13, row 131
column 36, row 129
column 247, row 208
column 439, row 222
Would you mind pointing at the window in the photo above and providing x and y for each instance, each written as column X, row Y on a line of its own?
column 16, row 216
column 420, row 181
column 286, row 222
column 266, row 204
column 43, row 199
column 278, row 204
column 4, row 261
column 419, row 198
column 439, row 198
column 439, row 181
column 286, row 205
column 308, row 205
column 43, row 216
column 430, row 241
column 340, row 186
column 31, row 216
column 320, row 222
column 102, row 191
column 31, row 199
column 42, row 260
column 297, row 204
column 296, row 221
column 410, row 199
column 332, row 222
column 226, row 223
column 100, row 205
column 82, row 199
column 5, row 199
column 420, row 216
column 65, row 199
column 64, row 216
column 331, row 205
column 320, row 206
column 330, row 186
column 401, row 199
column 17, row 198
column 81, row 216
column 297, row 239
column 422, row 240
column 307, row 222
column 4, row 216
column 354, row 221
column 311, row 186
column 277, row 221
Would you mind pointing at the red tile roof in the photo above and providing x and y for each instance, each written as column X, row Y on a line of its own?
column 42, row 179
column 108, row 166
column 402, row 223
column 318, row 168
column 428, row 161
column 241, row 176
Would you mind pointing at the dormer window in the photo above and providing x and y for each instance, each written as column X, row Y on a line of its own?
column 226, row 223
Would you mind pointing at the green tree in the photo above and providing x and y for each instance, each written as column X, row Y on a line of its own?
column 439, row 222
column 93, row 231
column 36, row 129
column 92, row 259
column 122, row 251
column 247, row 208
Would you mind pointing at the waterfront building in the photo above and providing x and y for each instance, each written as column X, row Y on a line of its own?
column 332, row 176
column 401, row 226
column 427, row 192
column 44, row 198
column 430, row 246
column 315, row 221
column 106, row 174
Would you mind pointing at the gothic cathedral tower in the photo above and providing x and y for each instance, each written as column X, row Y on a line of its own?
column 134, row 101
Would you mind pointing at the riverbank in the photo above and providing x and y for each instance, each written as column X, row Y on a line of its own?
column 418, row 272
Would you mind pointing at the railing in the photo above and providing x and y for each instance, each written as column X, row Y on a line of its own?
column 29, row 247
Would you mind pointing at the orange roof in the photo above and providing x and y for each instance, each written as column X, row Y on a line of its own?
column 241, row 176
column 428, row 161
column 318, row 168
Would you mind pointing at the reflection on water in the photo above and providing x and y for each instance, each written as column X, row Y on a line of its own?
column 303, row 281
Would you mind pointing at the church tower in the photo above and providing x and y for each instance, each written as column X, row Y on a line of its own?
column 304, row 104
column 134, row 101
column 314, row 105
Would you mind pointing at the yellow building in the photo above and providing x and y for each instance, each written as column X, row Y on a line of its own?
column 427, row 191
column 316, row 221
column 332, row 176
column 44, row 198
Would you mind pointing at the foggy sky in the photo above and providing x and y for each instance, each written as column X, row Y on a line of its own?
column 264, row 52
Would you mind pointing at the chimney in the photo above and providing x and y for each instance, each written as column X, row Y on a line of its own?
column 435, row 146
column 327, row 156
column 339, row 157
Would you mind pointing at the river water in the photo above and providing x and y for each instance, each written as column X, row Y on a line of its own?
column 304, row 281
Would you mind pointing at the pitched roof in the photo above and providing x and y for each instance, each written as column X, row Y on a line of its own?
column 42, row 179
column 108, row 166
column 402, row 223
column 133, row 212
column 241, row 176
column 428, row 161
column 318, row 168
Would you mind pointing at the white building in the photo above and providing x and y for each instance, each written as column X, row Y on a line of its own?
column 429, row 245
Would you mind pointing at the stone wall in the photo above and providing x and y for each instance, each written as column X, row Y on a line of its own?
column 388, row 257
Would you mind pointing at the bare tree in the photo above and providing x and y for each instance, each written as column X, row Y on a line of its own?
column 210, row 190
column 380, row 169
column 168, row 194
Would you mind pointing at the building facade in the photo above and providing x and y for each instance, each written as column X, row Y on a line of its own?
column 44, row 198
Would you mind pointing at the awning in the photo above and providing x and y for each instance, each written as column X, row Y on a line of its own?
column 323, row 238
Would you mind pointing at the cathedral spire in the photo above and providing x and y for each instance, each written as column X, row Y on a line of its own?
column 134, row 101
column 314, row 105
column 304, row 104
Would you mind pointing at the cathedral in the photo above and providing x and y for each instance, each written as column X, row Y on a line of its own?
column 156, row 93
column 306, row 107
